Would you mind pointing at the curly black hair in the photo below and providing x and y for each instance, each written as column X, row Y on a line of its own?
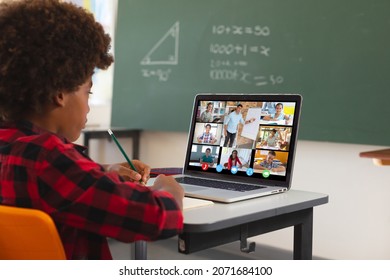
column 46, row 47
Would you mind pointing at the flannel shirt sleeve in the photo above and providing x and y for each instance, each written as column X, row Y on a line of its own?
column 77, row 192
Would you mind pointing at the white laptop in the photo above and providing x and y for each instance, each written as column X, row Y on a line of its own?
column 256, row 156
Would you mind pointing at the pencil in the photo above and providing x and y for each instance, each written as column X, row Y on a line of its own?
column 122, row 151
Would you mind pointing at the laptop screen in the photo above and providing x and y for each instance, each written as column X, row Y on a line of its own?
column 244, row 137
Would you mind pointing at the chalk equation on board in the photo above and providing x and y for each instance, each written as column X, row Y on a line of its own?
column 229, row 61
column 239, row 49
column 256, row 30
column 232, row 61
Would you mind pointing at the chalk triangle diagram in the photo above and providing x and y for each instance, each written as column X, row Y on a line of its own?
column 166, row 50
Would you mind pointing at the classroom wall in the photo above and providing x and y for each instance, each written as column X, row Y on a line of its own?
column 355, row 224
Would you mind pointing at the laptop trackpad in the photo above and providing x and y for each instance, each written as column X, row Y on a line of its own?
column 192, row 188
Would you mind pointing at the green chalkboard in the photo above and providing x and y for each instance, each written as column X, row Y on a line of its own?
column 335, row 53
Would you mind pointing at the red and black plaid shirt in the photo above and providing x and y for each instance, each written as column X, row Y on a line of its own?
column 40, row 170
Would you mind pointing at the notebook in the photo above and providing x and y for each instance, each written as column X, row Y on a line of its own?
column 241, row 147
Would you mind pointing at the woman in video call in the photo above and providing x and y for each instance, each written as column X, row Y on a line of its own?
column 206, row 116
column 234, row 160
column 278, row 115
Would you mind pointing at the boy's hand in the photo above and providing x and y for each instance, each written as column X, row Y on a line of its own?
column 124, row 170
column 169, row 184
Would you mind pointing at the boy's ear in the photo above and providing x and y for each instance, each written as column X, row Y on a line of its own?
column 59, row 99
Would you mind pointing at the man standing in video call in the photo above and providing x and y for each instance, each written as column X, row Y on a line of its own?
column 230, row 126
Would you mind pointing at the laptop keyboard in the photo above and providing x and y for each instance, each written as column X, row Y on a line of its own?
column 218, row 185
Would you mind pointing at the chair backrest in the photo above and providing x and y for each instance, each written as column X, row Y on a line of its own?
column 28, row 234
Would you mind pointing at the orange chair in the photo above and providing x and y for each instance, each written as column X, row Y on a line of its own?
column 28, row 234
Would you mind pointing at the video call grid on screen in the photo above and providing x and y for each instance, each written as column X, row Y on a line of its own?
column 262, row 142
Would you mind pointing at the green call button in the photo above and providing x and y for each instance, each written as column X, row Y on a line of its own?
column 266, row 173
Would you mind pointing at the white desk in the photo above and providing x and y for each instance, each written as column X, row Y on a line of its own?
column 218, row 224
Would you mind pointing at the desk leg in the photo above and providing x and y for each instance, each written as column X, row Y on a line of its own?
column 303, row 237
column 140, row 250
column 86, row 142
column 136, row 141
